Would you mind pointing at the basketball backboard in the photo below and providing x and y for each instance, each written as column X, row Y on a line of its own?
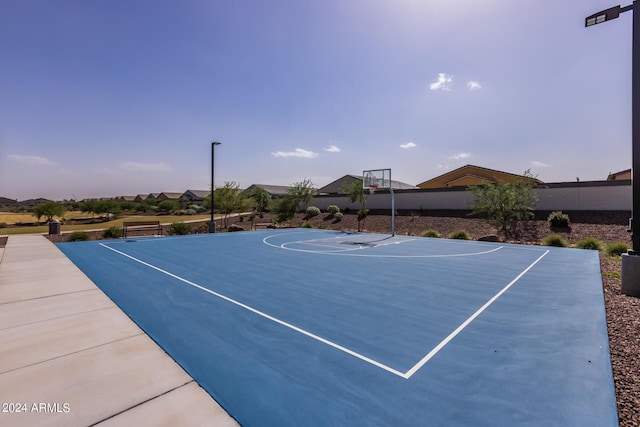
column 376, row 179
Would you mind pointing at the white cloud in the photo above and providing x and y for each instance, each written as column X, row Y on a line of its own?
column 443, row 82
column 298, row 152
column 408, row 145
column 460, row 156
column 332, row 149
column 537, row 164
column 145, row 167
column 31, row 160
column 473, row 85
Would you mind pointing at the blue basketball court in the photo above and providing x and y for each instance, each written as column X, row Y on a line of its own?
column 324, row 328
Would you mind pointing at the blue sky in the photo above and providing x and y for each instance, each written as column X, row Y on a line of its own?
column 109, row 98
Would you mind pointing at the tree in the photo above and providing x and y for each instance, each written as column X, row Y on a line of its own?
column 229, row 199
column 300, row 193
column 286, row 207
column 504, row 204
column 168, row 206
column 49, row 210
column 303, row 192
column 107, row 206
column 260, row 197
column 357, row 194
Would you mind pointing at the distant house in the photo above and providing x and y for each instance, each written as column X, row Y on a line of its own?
column 194, row 197
column 127, row 198
column 473, row 175
column 140, row 198
column 153, row 196
column 339, row 184
column 274, row 190
column 168, row 196
column 617, row 176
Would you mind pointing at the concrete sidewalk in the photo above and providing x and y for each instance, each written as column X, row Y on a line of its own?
column 70, row 357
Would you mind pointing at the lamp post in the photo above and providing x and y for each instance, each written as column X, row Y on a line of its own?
column 630, row 260
column 212, row 223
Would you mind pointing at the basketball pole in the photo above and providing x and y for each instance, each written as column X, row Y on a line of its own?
column 393, row 211
column 212, row 223
column 631, row 260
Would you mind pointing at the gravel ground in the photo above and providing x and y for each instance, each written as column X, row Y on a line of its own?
column 623, row 312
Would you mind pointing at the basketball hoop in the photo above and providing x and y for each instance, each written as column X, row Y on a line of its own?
column 372, row 188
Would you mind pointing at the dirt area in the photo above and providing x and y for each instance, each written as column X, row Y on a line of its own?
column 623, row 312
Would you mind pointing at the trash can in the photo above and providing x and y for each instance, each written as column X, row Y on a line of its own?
column 54, row 227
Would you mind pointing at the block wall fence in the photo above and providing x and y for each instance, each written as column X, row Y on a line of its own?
column 566, row 196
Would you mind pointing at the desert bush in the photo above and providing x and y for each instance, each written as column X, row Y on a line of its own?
column 312, row 211
column 558, row 219
column 306, row 224
column 430, row 233
column 617, row 249
column 333, row 209
column 179, row 229
column 460, row 235
column 555, row 240
column 589, row 243
column 3, row 225
column 504, row 204
column 78, row 236
column 114, row 232
column 338, row 216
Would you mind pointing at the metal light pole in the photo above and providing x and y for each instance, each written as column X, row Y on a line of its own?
column 212, row 223
column 631, row 260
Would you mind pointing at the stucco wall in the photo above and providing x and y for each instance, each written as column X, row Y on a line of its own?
column 578, row 196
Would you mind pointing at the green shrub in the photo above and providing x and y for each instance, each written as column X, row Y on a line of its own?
column 617, row 249
column 589, row 243
column 312, row 211
column 430, row 233
column 77, row 236
column 555, row 240
column 333, row 209
column 558, row 219
column 112, row 233
column 241, row 218
column 460, row 235
column 338, row 216
column 179, row 229
column 306, row 224
column 3, row 225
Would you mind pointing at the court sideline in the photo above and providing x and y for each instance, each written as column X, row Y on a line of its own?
column 71, row 357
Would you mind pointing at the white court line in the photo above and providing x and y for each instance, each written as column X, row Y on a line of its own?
column 405, row 375
column 346, row 252
column 471, row 318
column 260, row 313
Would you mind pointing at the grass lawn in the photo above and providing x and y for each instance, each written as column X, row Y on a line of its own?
column 164, row 219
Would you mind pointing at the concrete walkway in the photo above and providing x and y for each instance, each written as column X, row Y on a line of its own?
column 70, row 357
